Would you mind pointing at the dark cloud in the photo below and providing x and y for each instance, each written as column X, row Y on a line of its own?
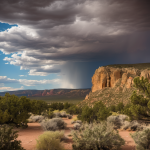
column 53, row 35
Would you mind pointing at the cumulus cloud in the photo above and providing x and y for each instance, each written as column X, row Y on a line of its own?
column 38, row 82
column 10, row 89
column 53, row 34
column 4, row 79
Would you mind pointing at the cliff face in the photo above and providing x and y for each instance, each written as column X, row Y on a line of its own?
column 112, row 85
column 108, row 76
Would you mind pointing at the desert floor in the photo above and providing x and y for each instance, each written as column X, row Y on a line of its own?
column 29, row 135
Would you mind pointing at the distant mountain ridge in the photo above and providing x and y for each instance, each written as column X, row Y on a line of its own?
column 51, row 92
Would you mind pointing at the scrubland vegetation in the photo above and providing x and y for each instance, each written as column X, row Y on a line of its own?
column 95, row 127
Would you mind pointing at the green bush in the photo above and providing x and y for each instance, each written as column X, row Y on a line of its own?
column 142, row 139
column 56, row 106
column 119, row 107
column 96, row 136
column 112, row 108
column 14, row 110
column 74, row 110
column 50, row 140
column 48, row 113
column 8, row 139
column 38, row 106
column 99, row 112
column 139, row 107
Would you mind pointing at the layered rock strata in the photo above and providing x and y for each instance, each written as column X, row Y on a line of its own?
column 108, row 76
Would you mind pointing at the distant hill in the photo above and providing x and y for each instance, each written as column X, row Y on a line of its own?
column 52, row 95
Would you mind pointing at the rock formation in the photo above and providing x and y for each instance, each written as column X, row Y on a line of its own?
column 114, row 84
column 108, row 76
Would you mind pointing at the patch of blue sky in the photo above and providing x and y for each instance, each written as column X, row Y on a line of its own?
column 5, row 26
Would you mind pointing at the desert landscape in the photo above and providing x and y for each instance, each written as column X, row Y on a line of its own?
column 74, row 75
column 116, row 107
column 28, row 136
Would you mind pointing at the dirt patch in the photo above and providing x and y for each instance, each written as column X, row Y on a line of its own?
column 29, row 135
column 129, row 142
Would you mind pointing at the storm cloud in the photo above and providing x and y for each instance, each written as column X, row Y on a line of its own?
column 55, row 36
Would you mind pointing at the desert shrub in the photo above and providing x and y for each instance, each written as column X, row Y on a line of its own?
column 74, row 110
column 63, row 114
column 50, row 140
column 101, row 112
column 69, row 116
column 112, row 108
column 119, row 107
column 14, row 110
column 53, row 124
column 37, row 118
column 56, row 106
column 75, row 119
column 48, row 113
column 77, row 126
column 66, row 105
column 115, row 114
column 87, row 114
column 142, row 139
column 96, row 136
column 79, row 121
column 140, row 105
column 117, row 121
column 56, row 114
column 8, row 139
column 38, row 106
column 133, row 125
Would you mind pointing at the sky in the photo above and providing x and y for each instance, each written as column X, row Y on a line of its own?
column 52, row 44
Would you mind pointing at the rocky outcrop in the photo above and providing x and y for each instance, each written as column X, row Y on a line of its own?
column 114, row 84
column 108, row 76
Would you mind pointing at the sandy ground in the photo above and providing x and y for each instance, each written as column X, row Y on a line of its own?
column 29, row 135
column 129, row 144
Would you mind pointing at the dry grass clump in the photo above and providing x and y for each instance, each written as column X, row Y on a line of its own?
column 50, row 140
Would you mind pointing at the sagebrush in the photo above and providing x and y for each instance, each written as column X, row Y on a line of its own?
column 53, row 124
column 142, row 139
column 97, row 136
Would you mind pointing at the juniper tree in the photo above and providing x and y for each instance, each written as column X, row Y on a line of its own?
column 140, row 104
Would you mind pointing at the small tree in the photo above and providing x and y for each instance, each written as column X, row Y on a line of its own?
column 8, row 139
column 140, row 104
column 87, row 114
